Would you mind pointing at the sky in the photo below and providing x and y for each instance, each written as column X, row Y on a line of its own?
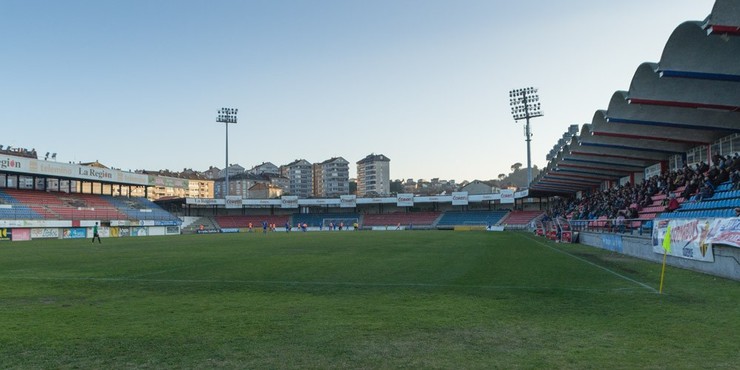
column 137, row 84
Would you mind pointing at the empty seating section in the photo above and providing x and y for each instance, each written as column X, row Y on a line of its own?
column 710, row 213
column 71, row 206
column 256, row 220
column 324, row 219
column 141, row 209
column 521, row 217
column 36, row 201
column 711, row 203
column 35, row 204
column 403, row 218
column 471, row 218
column 727, row 194
column 725, row 186
column 13, row 209
column 721, row 204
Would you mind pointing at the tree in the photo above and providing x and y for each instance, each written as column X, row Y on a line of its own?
column 501, row 176
column 516, row 166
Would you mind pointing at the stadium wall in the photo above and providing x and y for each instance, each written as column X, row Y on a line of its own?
column 726, row 259
column 21, row 230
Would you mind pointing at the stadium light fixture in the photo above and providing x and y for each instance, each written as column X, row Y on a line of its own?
column 226, row 116
column 525, row 104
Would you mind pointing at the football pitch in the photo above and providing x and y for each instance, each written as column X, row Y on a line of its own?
column 421, row 299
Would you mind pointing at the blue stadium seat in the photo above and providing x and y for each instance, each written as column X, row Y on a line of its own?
column 727, row 185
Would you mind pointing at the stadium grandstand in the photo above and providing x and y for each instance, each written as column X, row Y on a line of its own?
column 664, row 153
column 42, row 198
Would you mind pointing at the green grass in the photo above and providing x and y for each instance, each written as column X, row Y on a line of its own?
column 356, row 300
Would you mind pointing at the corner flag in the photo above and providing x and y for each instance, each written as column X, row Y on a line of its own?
column 667, row 240
column 666, row 249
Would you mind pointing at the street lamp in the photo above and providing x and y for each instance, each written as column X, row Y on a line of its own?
column 226, row 116
column 525, row 104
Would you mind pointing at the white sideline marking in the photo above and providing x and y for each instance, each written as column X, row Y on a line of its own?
column 595, row 265
column 172, row 270
column 307, row 283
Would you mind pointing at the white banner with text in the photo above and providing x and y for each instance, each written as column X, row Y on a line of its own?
column 460, row 198
column 688, row 238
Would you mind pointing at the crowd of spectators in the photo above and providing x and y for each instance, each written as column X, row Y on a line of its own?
column 692, row 183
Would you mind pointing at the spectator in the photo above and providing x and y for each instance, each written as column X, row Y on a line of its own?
column 691, row 188
column 672, row 203
column 630, row 198
column 722, row 176
column 633, row 212
column 620, row 222
column 735, row 178
column 706, row 192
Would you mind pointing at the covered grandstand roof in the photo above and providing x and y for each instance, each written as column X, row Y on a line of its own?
column 691, row 98
column 725, row 17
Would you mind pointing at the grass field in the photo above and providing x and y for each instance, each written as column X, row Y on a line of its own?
column 422, row 299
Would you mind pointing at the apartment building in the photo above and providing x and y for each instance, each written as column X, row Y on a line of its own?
column 265, row 168
column 331, row 178
column 373, row 176
column 300, row 178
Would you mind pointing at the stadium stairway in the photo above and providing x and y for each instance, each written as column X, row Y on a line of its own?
column 208, row 224
column 520, row 219
column 141, row 209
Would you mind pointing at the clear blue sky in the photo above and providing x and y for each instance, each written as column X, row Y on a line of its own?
column 136, row 84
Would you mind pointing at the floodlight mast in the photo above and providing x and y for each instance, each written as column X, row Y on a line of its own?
column 525, row 105
column 226, row 116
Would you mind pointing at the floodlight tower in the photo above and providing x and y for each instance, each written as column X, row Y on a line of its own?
column 525, row 104
column 226, row 116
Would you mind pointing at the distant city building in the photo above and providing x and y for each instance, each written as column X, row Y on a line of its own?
column 479, row 187
column 200, row 188
column 265, row 168
column 331, row 178
column 241, row 184
column 265, row 191
column 373, row 175
column 409, row 186
column 281, row 182
column 170, row 184
column 300, row 177
column 234, row 169
column 212, row 172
